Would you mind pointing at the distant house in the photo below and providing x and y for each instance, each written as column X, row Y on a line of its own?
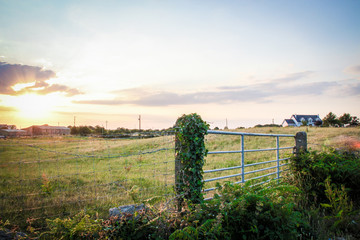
column 5, row 126
column 47, row 130
column 12, row 133
column 298, row 120
column 288, row 123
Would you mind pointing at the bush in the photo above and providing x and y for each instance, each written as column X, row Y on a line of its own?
column 330, row 195
column 237, row 212
column 312, row 169
column 80, row 226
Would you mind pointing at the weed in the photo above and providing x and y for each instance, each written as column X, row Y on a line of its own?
column 341, row 216
column 47, row 186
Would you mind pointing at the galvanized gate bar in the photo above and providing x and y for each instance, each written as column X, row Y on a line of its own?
column 249, row 134
column 254, row 164
column 224, row 177
column 222, row 169
column 246, row 165
column 252, row 150
column 243, row 165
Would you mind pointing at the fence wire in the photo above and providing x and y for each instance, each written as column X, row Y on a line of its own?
column 59, row 176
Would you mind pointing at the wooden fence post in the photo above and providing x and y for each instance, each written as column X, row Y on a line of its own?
column 301, row 143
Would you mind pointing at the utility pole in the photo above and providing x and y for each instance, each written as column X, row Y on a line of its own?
column 74, row 120
column 139, row 122
column 106, row 125
column 227, row 124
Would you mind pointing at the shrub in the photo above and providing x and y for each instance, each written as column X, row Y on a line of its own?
column 80, row 226
column 237, row 212
column 330, row 195
column 312, row 169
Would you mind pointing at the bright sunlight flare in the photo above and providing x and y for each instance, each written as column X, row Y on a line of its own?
column 33, row 106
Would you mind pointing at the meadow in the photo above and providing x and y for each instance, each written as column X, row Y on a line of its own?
column 48, row 177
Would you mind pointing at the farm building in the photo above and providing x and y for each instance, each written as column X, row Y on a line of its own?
column 298, row 120
column 12, row 133
column 5, row 126
column 47, row 130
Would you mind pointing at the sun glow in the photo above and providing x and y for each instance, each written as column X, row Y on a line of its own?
column 21, row 86
column 33, row 106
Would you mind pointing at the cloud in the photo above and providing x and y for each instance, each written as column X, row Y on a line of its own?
column 7, row 109
column 13, row 74
column 59, row 88
column 258, row 92
column 354, row 70
column 293, row 77
column 348, row 87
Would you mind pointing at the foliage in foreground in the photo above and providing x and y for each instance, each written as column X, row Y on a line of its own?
column 235, row 213
column 311, row 171
column 320, row 202
column 257, row 212
column 330, row 196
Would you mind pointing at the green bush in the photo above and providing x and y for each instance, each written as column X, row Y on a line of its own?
column 311, row 169
column 237, row 212
column 329, row 192
column 81, row 226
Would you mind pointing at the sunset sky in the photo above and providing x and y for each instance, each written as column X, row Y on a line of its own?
column 106, row 62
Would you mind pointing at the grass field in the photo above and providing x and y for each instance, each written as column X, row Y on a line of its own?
column 59, row 176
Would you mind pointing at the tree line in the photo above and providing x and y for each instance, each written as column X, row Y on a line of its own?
column 331, row 120
column 98, row 130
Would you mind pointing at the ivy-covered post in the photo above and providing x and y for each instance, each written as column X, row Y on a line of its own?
column 190, row 152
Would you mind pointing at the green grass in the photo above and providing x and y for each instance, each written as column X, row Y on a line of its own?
column 45, row 177
column 59, row 176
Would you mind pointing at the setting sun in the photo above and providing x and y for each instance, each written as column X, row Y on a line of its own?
column 33, row 106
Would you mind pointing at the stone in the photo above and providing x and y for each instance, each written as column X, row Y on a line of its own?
column 126, row 211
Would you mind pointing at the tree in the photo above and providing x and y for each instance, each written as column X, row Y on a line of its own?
column 84, row 130
column 330, row 120
column 318, row 123
column 74, row 130
column 354, row 121
column 99, row 130
column 345, row 119
column 304, row 122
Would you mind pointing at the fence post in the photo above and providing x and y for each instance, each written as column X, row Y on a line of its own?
column 190, row 151
column 178, row 173
column 301, row 143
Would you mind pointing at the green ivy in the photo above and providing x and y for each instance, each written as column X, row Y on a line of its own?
column 190, row 151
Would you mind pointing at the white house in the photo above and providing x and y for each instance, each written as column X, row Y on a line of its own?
column 298, row 120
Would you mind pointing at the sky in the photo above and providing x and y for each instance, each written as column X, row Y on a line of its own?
column 237, row 62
